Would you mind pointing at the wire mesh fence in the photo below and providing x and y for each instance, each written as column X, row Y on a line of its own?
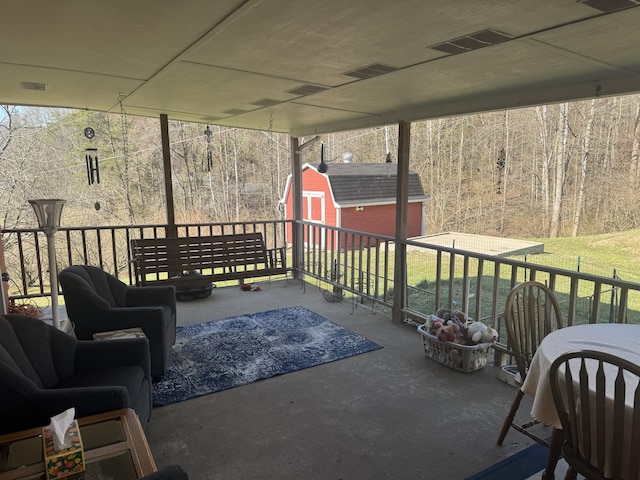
column 476, row 284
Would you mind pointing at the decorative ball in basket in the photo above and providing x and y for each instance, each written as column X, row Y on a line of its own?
column 455, row 340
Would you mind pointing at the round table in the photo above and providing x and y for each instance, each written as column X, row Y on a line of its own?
column 617, row 339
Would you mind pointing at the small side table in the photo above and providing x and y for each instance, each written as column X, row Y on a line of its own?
column 119, row 334
column 114, row 445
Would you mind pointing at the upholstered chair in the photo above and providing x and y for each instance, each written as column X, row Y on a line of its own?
column 44, row 371
column 98, row 302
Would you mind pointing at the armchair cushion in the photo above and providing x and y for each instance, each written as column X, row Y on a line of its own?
column 98, row 302
column 44, row 371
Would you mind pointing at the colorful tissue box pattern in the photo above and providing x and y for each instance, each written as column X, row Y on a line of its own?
column 67, row 461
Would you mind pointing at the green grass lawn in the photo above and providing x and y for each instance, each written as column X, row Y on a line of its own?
column 598, row 254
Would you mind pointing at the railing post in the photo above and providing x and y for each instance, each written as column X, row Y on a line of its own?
column 402, row 207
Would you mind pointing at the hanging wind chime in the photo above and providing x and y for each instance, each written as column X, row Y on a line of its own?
column 500, row 166
column 92, row 162
column 207, row 132
column 91, row 159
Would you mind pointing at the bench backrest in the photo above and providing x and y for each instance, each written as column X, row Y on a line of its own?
column 207, row 255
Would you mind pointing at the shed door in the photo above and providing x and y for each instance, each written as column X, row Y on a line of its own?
column 313, row 211
column 313, row 207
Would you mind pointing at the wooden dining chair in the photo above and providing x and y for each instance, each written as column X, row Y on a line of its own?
column 531, row 312
column 597, row 397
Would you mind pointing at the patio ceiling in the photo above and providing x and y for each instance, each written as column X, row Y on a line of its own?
column 311, row 66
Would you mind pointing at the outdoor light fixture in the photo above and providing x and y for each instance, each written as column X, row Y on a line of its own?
column 48, row 213
column 323, row 167
column 347, row 157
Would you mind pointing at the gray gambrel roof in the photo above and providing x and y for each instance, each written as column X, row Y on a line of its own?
column 353, row 183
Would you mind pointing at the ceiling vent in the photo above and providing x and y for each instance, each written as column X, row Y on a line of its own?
column 609, row 5
column 33, row 86
column 484, row 38
column 265, row 102
column 373, row 70
column 305, row 90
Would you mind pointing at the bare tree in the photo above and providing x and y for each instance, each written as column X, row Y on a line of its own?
column 545, row 169
column 455, row 158
column 562, row 160
column 583, row 168
column 505, row 170
column 635, row 149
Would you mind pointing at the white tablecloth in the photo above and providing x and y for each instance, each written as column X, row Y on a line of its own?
column 616, row 339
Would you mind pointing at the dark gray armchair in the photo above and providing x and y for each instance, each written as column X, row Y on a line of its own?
column 98, row 302
column 44, row 371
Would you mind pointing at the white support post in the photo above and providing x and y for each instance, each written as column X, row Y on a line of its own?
column 53, row 275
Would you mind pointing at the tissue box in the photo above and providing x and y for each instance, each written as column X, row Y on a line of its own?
column 66, row 461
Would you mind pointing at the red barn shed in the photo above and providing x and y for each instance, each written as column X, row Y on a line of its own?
column 357, row 196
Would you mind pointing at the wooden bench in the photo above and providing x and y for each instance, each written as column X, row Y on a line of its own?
column 216, row 258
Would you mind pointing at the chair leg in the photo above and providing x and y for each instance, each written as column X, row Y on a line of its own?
column 512, row 413
column 555, row 448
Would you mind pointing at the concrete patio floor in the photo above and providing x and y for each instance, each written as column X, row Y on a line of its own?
column 392, row 413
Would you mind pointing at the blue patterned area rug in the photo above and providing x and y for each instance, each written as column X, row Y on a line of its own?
column 214, row 356
column 519, row 466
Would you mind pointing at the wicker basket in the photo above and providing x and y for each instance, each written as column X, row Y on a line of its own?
column 464, row 358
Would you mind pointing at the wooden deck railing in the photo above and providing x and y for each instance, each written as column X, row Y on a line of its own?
column 106, row 247
column 347, row 263
column 362, row 264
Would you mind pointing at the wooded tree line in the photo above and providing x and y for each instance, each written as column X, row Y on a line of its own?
column 556, row 170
